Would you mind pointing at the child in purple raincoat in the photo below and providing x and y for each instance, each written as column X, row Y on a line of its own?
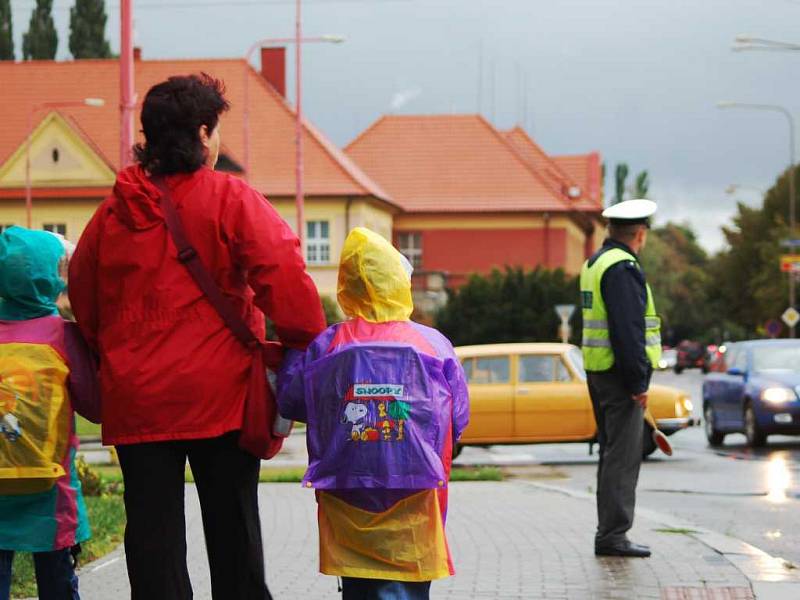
column 385, row 400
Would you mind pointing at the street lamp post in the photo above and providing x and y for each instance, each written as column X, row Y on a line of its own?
column 298, row 41
column 734, row 187
column 744, row 43
column 95, row 102
column 127, row 94
column 790, row 121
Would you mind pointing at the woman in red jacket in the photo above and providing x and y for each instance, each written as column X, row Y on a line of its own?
column 173, row 376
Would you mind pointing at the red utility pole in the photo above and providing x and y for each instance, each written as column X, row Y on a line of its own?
column 127, row 100
column 299, row 202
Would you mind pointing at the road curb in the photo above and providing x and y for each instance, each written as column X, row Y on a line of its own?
column 770, row 577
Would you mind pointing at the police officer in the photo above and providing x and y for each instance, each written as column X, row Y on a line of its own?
column 621, row 346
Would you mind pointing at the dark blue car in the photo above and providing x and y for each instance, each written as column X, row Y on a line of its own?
column 758, row 394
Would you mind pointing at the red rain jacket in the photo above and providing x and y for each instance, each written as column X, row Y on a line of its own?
column 169, row 367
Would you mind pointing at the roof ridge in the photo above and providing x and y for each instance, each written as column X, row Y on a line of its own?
column 342, row 162
column 520, row 158
column 363, row 134
column 547, row 155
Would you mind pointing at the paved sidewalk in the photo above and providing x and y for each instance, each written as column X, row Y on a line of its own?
column 509, row 540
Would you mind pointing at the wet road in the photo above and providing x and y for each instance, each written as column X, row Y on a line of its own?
column 753, row 495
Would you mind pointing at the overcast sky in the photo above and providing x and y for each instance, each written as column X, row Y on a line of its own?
column 636, row 80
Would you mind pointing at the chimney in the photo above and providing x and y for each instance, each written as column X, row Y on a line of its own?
column 273, row 68
column 137, row 53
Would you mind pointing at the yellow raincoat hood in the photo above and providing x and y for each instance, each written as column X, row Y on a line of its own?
column 373, row 283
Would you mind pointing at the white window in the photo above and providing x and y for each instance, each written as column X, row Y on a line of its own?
column 318, row 243
column 410, row 245
column 60, row 228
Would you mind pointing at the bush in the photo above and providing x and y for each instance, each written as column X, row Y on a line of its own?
column 92, row 483
column 332, row 312
column 510, row 306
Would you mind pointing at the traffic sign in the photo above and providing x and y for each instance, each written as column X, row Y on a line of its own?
column 790, row 243
column 565, row 311
column 790, row 316
column 773, row 327
column 790, row 263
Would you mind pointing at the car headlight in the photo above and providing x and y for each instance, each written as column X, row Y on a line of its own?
column 778, row 395
column 687, row 404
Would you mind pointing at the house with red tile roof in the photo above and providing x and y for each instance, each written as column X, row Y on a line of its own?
column 74, row 150
column 455, row 194
column 474, row 198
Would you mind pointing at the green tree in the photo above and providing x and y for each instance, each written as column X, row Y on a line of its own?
column 6, row 31
column 87, row 25
column 748, row 287
column 620, row 175
column 40, row 42
column 676, row 267
column 509, row 306
column 642, row 185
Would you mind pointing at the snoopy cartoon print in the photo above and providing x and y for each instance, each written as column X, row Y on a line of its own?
column 355, row 413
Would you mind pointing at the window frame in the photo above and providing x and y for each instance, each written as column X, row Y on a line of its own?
column 498, row 357
column 59, row 228
column 320, row 245
column 409, row 244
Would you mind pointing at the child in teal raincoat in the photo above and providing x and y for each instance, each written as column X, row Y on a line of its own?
column 51, row 523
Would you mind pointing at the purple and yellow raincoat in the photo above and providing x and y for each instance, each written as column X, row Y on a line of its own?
column 385, row 400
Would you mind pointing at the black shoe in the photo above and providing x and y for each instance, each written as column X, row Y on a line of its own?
column 623, row 549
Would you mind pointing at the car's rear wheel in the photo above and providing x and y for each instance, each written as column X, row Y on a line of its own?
column 755, row 437
column 648, row 444
column 713, row 435
column 678, row 369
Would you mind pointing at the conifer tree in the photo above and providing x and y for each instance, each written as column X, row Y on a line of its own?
column 40, row 42
column 87, row 26
column 6, row 31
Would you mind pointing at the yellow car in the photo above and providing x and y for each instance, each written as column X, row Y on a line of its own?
column 537, row 393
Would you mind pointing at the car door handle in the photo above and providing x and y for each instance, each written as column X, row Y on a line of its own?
column 524, row 391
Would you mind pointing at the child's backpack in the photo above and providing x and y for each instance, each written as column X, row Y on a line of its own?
column 35, row 412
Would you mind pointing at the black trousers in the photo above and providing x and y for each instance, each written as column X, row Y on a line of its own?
column 155, row 534
column 620, row 428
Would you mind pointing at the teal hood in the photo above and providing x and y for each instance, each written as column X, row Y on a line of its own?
column 29, row 280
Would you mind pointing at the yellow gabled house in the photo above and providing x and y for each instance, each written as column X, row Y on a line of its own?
column 74, row 150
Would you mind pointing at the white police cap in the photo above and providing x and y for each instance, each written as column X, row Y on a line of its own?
column 631, row 212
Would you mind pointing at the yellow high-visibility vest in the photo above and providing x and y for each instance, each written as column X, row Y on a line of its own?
column 597, row 352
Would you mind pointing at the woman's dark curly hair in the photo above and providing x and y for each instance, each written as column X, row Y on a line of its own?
column 172, row 114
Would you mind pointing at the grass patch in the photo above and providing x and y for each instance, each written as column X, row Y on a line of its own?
column 676, row 530
column 476, row 474
column 86, row 428
column 107, row 518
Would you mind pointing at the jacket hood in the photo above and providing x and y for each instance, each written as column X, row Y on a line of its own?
column 29, row 279
column 136, row 199
column 373, row 281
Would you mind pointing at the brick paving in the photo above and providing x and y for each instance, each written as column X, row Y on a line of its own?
column 509, row 540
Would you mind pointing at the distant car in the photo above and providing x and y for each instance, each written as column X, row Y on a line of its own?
column 669, row 357
column 537, row 393
column 758, row 395
column 717, row 358
column 691, row 355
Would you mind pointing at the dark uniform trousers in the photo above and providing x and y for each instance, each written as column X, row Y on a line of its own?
column 619, row 433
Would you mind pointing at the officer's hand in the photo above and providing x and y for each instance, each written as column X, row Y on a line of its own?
column 640, row 399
